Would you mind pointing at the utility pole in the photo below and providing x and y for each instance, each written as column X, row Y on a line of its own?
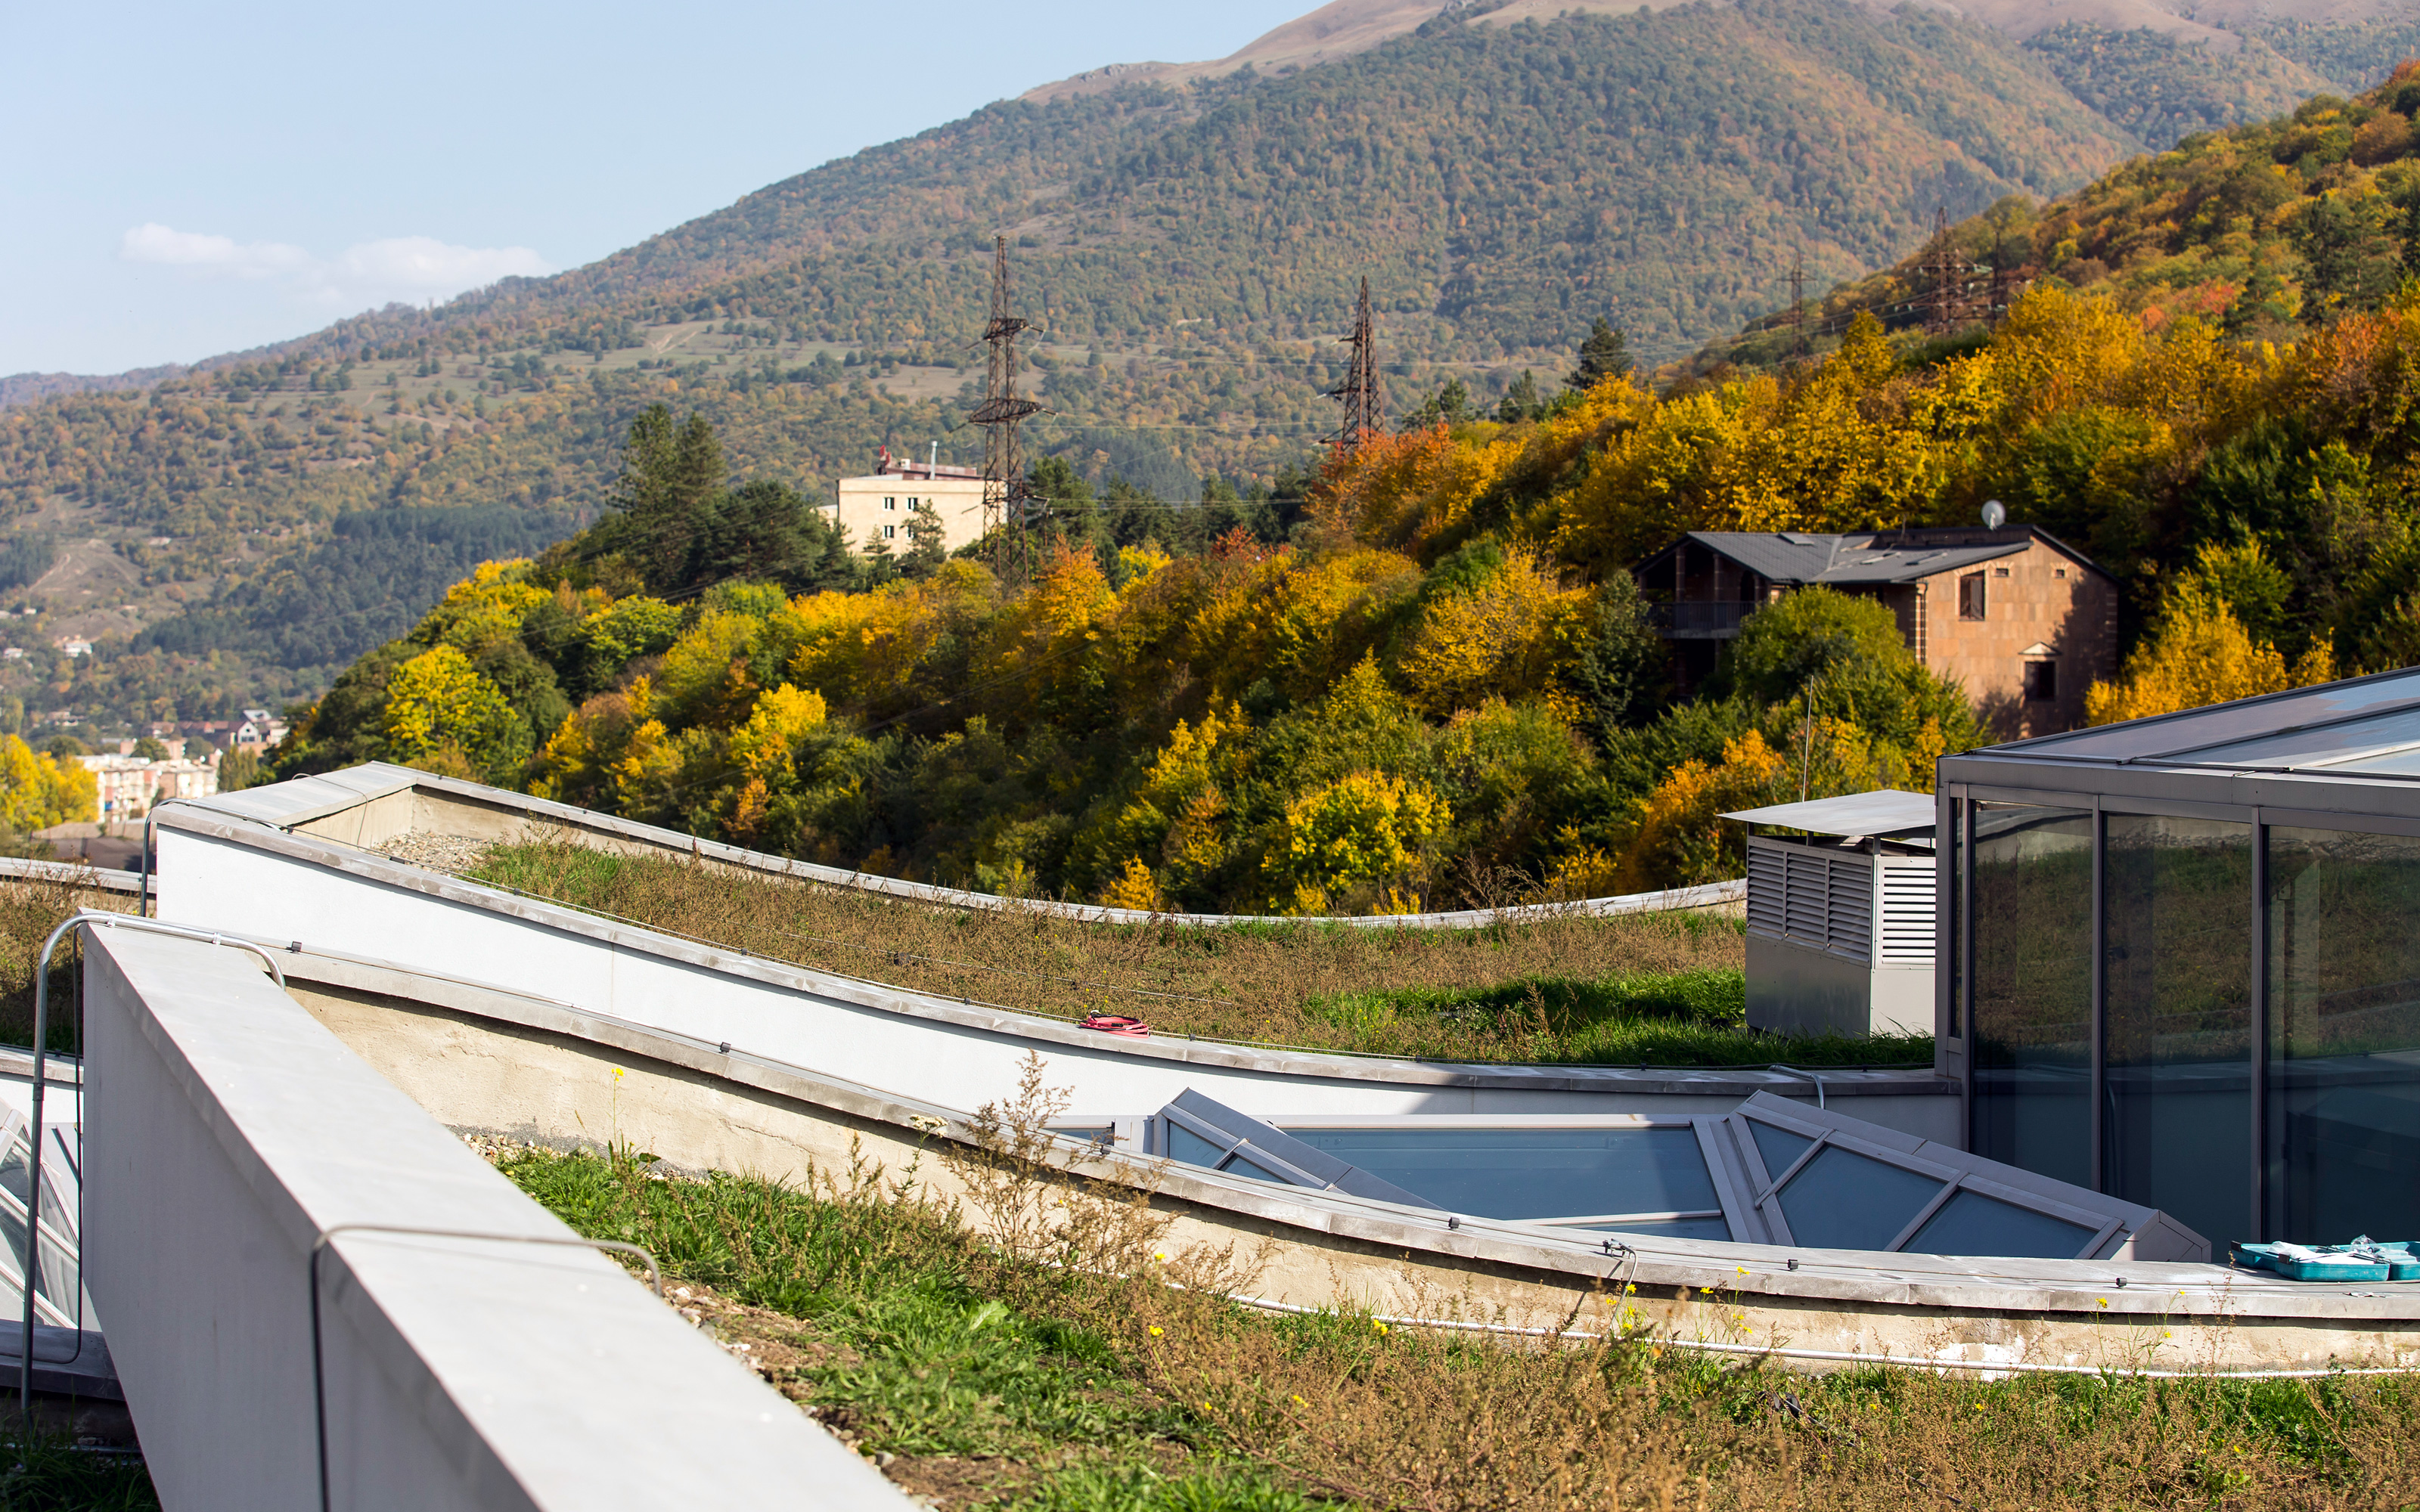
column 1006, row 501
column 1999, row 270
column 1365, row 403
column 1798, row 299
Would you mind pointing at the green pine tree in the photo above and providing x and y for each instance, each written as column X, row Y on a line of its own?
column 1605, row 355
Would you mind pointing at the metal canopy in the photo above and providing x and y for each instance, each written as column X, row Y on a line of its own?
column 2365, row 727
column 1885, row 811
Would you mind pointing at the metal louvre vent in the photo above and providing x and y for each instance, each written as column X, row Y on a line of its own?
column 1768, row 878
column 1812, row 897
column 1804, row 911
column 1848, row 910
column 1909, row 901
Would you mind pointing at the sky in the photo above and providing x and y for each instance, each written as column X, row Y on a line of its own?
column 182, row 181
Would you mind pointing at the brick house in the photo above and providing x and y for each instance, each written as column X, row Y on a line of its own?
column 2025, row 621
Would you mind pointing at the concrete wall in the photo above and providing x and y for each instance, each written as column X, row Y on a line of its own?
column 953, row 1052
column 227, row 1130
column 482, row 1060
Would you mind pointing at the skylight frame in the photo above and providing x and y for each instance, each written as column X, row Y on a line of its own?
column 1749, row 1193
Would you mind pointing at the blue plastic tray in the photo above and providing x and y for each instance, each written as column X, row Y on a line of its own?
column 2398, row 1262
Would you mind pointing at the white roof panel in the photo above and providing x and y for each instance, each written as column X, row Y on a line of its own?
column 1883, row 811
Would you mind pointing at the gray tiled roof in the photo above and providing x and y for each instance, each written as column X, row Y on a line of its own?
column 1792, row 557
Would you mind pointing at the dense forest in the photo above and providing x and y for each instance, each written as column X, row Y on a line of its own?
column 1434, row 679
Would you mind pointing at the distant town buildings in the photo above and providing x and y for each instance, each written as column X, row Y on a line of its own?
column 878, row 508
column 259, row 732
column 131, row 786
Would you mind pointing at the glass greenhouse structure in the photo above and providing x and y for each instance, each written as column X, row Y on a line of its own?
column 2184, row 960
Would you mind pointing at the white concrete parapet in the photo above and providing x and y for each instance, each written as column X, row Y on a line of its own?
column 226, row 1130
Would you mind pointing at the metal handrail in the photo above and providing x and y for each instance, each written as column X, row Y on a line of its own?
column 42, row 1055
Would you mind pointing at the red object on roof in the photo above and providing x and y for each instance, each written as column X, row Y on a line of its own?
column 1117, row 1023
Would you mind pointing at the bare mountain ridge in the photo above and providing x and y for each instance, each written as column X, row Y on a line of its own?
column 1343, row 27
column 1007, row 167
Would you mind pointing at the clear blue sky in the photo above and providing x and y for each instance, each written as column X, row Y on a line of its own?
column 186, row 179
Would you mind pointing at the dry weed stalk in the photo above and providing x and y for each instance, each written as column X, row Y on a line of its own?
column 1040, row 1212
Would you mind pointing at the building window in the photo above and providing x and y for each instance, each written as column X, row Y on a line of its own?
column 888, row 532
column 1999, row 572
column 2042, row 682
column 890, row 503
column 911, row 503
column 2059, row 572
column 1970, row 596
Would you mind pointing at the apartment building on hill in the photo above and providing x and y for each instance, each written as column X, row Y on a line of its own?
column 877, row 507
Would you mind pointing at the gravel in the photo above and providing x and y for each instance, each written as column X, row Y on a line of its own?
column 437, row 852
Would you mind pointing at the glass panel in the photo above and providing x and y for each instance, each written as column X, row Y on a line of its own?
column 2179, row 1130
column 1778, row 1147
column 1532, row 1173
column 1242, row 1167
column 1973, row 1223
column 2328, row 744
column 1843, row 1200
column 1713, row 1228
column 1190, row 1148
column 2032, row 941
column 2226, row 722
column 2344, row 1035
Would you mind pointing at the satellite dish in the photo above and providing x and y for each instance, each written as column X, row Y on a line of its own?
column 1995, row 514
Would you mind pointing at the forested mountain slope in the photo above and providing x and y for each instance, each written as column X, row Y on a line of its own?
column 1190, row 253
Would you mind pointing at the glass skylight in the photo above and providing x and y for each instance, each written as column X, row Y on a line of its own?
column 1773, row 1172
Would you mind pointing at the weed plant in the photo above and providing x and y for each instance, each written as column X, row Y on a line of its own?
column 1642, row 989
column 30, row 909
column 49, row 1474
column 994, row 1380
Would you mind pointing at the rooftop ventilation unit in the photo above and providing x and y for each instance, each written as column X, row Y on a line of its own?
column 1841, row 914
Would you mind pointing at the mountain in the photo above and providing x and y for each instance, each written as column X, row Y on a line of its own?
column 1438, row 682
column 1190, row 242
column 2264, row 231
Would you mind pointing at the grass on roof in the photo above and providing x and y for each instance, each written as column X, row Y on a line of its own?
column 978, row 1379
column 1662, row 990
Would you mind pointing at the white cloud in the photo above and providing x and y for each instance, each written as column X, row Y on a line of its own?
column 370, row 273
column 152, row 242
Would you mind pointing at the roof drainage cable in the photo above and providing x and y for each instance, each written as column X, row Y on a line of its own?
column 42, row 1078
column 1792, row 1071
column 1462, row 1325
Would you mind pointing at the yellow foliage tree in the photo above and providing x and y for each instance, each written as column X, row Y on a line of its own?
column 2201, row 654
column 441, row 713
column 1506, row 638
column 483, row 611
column 1677, row 840
column 1364, row 828
column 36, row 792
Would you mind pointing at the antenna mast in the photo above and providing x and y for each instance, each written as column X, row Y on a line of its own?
column 1006, row 496
column 1365, row 403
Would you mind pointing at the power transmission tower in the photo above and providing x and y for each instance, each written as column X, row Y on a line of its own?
column 1365, row 403
column 1007, row 501
column 1948, row 285
column 1798, row 299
